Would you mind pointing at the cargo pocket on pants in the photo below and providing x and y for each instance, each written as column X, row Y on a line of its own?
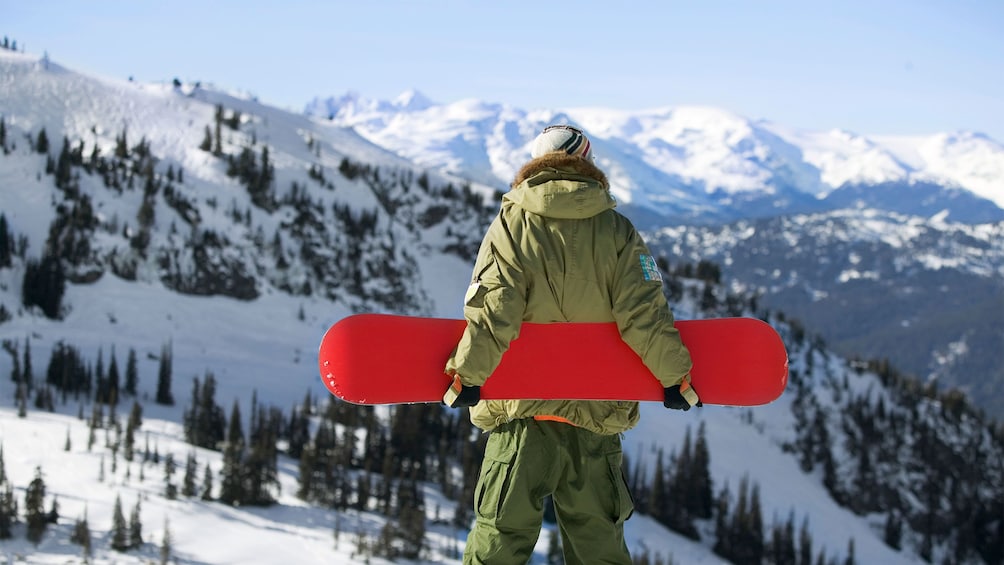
column 623, row 503
column 496, row 476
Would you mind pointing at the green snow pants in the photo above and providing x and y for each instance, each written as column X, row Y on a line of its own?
column 526, row 460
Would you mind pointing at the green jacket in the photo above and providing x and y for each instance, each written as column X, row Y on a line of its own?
column 558, row 252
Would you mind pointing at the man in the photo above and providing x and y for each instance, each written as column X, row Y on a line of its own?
column 558, row 252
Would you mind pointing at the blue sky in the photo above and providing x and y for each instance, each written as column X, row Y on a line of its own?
column 871, row 67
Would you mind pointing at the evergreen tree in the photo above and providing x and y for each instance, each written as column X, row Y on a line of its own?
column 299, row 428
column 411, row 526
column 81, row 534
column 204, row 422
column 782, row 543
column 27, row 373
column 166, row 544
column 893, row 531
column 188, row 488
column 658, row 498
column 218, row 142
column 699, row 487
column 164, row 394
column 122, row 145
column 135, row 527
column 170, row 467
column 113, row 380
column 132, row 424
column 42, row 142
column 207, row 141
column 231, row 483
column 8, row 504
column 260, row 467
column 34, row 507
column 207, row 484
column 44, row 284
column 131, row 373
column 6, row 239
column 120, row 530
column 804, row 544
column 850, row 560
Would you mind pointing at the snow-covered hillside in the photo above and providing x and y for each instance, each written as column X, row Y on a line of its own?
column 232, row 234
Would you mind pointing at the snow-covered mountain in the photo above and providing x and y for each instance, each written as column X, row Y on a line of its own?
column 696, row 168
column 175, row 218
column 689, row 163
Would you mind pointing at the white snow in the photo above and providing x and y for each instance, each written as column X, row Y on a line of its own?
column 264, row 347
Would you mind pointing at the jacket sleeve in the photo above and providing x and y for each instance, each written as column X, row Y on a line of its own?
column 493, row 308
column 643, row 315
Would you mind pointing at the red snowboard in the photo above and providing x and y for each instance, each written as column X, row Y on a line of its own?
column 387, row 359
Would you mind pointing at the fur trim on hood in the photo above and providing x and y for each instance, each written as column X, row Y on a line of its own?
column 565, row 163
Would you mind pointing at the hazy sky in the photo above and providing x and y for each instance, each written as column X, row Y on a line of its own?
column 871, row 67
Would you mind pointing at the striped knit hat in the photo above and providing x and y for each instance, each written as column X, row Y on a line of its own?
column 562, row 138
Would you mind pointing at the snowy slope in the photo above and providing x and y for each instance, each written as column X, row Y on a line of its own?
column 266, row 346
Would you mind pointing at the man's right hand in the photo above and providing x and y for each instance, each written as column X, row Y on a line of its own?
column 681, row 396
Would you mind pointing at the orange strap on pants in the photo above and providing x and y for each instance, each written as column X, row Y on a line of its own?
column 550, row 418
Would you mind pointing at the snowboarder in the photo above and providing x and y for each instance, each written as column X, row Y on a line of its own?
column 558, row 252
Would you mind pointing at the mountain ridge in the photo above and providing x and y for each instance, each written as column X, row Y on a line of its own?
column 708, row 153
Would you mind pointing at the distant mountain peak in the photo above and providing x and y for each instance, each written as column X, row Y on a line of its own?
column 412, row 100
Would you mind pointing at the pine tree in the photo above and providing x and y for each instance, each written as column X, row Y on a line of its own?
column 260, row 466
column 204, row 422
column 850, row 560
column 44, row 284
column 782, row 544
column 6, row 240
column 135, row 527
column 699, row 486
column 42, row 142
column 170, row 467
column 299, row 428
column 131, row 373
column 113, row 380
column 120, row 531
column 166, row 544
column 411, row 531
column 132, row 424
column 34, row 511
column 8, row 504
column 218, row 142
column 164, row 394
column 81, row 534
column 207, row 141
column 804, row 544
column 188, row 488
column 231, row 481
column 122, row 145
column 658, row 498
column 893, row 531
column 207, row 484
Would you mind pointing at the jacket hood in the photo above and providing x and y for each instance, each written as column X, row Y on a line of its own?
column 561, row 186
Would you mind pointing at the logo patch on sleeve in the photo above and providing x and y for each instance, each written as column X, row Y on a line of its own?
column 649, row 269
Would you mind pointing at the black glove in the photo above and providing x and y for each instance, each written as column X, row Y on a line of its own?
column 676, row 399
column 460, row 395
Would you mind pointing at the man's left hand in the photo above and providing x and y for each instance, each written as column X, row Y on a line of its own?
column 460, row 395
